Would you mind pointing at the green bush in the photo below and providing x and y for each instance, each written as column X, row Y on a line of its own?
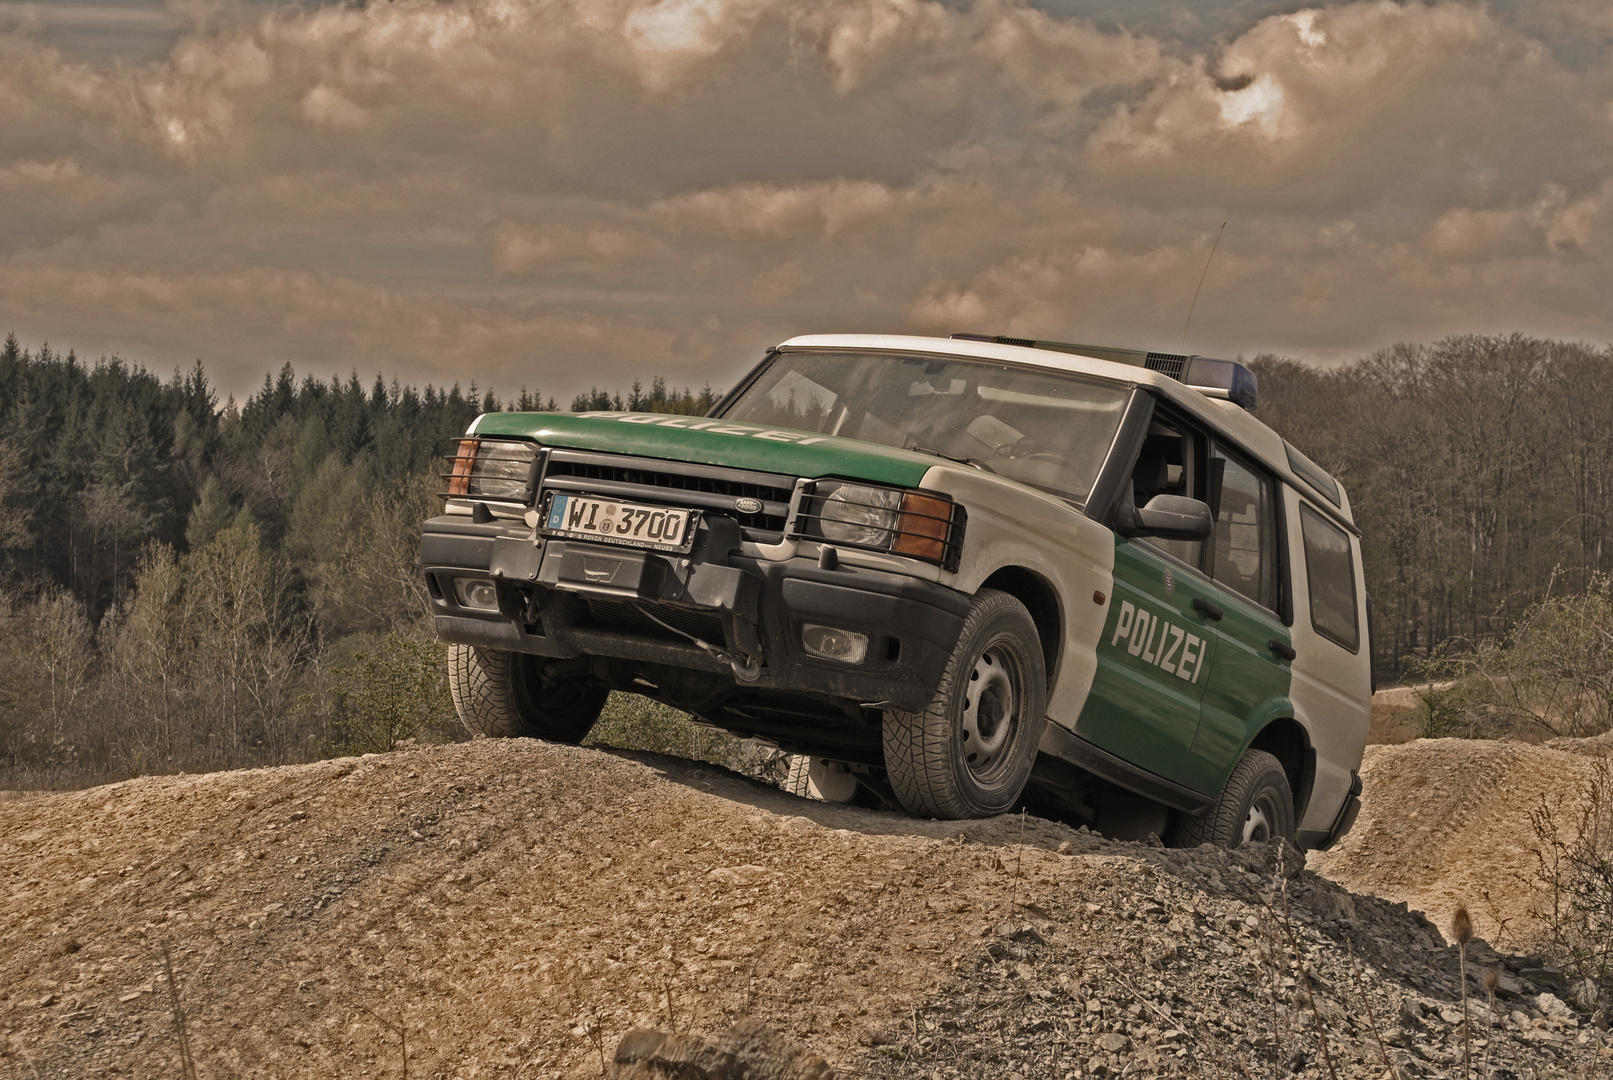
column 631, row 722
column 395, row 692
column 1551, row 676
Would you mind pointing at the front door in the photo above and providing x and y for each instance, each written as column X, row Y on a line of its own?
column 1158, row 644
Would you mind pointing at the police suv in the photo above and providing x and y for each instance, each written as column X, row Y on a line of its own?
column 950, row 573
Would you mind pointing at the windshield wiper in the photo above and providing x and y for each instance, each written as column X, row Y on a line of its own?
column 976, row 462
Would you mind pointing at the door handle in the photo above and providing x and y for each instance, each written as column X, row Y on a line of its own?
column 1281, row 650
column 1207, row 609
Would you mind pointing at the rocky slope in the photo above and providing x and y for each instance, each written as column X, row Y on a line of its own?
column 512, row 908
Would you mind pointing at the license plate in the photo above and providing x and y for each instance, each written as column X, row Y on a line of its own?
column 610, row 521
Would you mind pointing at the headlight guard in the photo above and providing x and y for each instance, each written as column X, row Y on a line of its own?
column 904, row 521
column 493, row 470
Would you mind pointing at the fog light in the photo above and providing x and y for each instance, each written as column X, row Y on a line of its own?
column 832, row 644
column 476, row 593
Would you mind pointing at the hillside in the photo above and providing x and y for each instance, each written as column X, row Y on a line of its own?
column 513, row 907
column 1446, row 822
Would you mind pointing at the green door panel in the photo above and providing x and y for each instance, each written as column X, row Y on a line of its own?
column 1247, row 688
column 1154, row 660
column 715, row 442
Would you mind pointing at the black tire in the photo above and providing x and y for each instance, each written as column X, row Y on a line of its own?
column 798, row 780
column 1256, row 805
column 501, row 695
column 970, row 753
column 827, row 782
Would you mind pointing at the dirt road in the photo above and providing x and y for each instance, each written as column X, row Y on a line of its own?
column 1447, row 821
column 510, row 908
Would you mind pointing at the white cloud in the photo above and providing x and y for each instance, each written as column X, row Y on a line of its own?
column 38, row 173
column 1260, row 103
column 675, row 25
column 589, row 190
column 778, row 210
column 324, row 107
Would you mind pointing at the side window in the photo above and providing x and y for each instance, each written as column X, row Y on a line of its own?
column 1331, row 574
column 1169, row 463
column 1245, row 538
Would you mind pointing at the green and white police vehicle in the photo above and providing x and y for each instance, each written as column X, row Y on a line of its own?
column 955, row 572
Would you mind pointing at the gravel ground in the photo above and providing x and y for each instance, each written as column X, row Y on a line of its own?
column 510, row 908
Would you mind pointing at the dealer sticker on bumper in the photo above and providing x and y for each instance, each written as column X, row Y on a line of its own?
column 584, row 517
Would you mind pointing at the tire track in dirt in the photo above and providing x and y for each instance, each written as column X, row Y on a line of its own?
column 1446, row 822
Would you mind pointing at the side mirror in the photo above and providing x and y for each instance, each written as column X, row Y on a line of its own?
column 1169, row 517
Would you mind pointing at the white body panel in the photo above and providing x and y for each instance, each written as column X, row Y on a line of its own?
column 1051, row 539
column 1331, row 688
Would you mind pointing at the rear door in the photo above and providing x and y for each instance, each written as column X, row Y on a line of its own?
column 1332, row 687
column 1249, row 683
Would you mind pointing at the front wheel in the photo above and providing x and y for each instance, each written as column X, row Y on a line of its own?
column 503, row 695
column 1256, row 805
column 970, row 753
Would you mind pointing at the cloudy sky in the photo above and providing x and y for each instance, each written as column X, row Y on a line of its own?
column 560, row 193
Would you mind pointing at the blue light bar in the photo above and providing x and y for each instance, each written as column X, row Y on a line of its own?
column 1224, row 379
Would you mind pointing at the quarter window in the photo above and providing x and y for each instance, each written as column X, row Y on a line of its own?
column 1245, row 549
column 1330, row 572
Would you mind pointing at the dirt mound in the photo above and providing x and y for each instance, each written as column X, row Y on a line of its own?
column 1397, row 715
column 507, row 901
column 1446, row 822
column 510, row 908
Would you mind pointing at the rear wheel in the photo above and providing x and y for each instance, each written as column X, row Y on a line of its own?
column 1256, row 805
column 970, row 753
column 503, row 695
column 818, row 778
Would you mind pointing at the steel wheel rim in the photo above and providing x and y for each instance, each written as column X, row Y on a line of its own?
column 1257, row 823
column 991, row 705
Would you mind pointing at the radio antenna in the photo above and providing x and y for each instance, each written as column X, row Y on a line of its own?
column 1202, row 276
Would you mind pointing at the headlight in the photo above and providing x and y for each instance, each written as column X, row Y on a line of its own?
column 912, row 523
column 860, row 515
column 492, row 469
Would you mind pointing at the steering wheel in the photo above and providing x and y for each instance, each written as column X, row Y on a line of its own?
column 1028, row 449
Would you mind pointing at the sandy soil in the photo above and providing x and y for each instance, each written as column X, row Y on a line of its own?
column 1397, row 716
column 1447, row 821
column 509, row 904
column 511, row 908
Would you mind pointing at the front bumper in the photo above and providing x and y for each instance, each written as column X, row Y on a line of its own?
column 567, row 599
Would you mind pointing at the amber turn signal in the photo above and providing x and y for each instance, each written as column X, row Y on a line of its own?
column 464, row 463
column 922, row 528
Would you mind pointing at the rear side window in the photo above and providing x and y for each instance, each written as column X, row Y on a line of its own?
column 1245, row 530
column 1331, row 575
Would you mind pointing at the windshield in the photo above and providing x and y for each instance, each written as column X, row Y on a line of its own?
column 1043, row 428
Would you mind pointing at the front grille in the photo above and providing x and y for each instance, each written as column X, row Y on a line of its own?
column 621, row 615
column 650, row 480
